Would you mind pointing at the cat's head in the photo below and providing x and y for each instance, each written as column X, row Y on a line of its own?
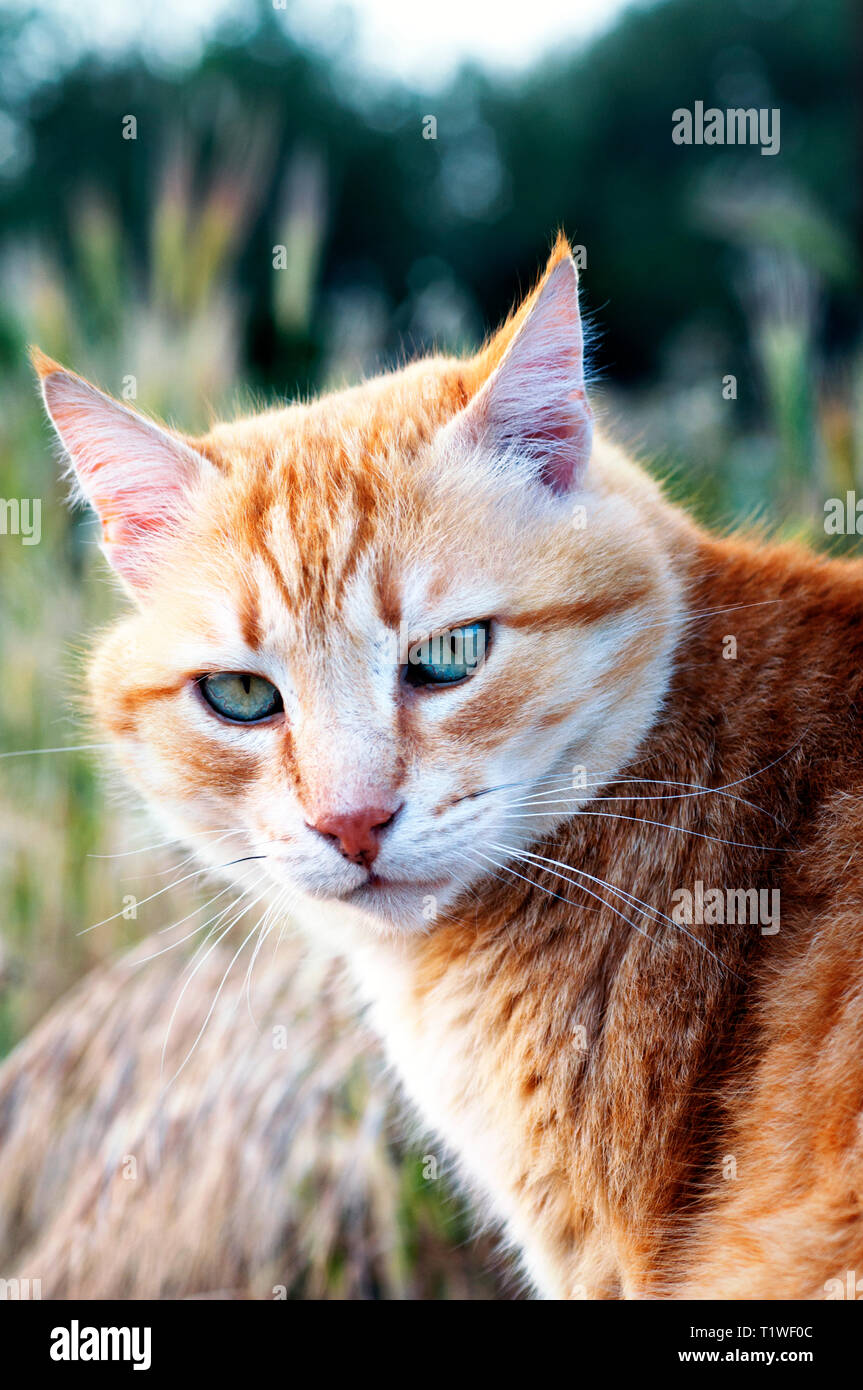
column 369, row 629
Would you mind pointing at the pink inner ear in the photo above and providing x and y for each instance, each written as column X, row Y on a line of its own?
column 124, row 543
column 566, row 445
column 535, row 402
column 134, row 474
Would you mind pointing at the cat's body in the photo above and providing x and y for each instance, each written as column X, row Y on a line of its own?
column 653, row 1108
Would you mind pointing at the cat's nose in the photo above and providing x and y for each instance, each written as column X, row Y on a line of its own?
column 357, row 833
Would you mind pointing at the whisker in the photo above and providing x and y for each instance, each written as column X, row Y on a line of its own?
column 714, row 612
column 189, row 858
column 201, row 908
column 582, row 873
column 251, row 887
column 216, row 998
column 215, row 868
column 471, row 859
column 541, row 797
column 524, row 782
column 73, row 748
column 219, row 918
column 166, row 844
column 663, row 825
column 188, row 937
column 533, row 883
column 607, row 778
column 193, row 972
column 189, row 977
column 591, row 894
column 266, row 927
column 738, row 781
column 679, row 926
column 468, row 888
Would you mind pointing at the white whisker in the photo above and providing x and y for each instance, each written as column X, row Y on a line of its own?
column 540, row 798
column 211, row 869
column 663, row 825
column 583, row 890
column 188, row 937
column 216, row 998
column 73, row 748
column 166, row 844
column 679, row 926
column 266, row 926
column 193, row 972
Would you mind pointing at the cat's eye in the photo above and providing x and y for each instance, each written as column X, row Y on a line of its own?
column 239, row 696
column 448, row 657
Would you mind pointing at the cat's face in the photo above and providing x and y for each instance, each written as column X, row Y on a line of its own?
column 369, row 630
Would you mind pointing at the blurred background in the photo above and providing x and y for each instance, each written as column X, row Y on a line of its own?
column 209, row 208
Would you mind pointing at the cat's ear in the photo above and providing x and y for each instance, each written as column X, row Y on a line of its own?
column 532, row 402
column 135, row 475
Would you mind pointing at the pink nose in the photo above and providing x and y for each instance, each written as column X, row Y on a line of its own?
column 357, row 832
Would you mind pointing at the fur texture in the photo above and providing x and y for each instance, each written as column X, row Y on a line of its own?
column 652, row 1107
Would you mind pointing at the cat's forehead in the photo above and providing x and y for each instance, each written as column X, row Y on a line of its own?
column 338, row 499
column 357, row 554
column 388, row 417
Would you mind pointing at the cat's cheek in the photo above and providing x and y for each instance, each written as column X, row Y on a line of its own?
column 206, row 775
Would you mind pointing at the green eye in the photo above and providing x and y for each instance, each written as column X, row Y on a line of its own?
column 448, row 657
column 239, row 696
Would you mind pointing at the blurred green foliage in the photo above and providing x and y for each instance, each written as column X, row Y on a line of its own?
column 582, row 141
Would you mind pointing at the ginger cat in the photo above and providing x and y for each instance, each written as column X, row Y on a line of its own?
column 429, row 668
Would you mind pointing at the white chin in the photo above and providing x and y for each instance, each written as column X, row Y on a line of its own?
column 394, row 906
column 410, row 907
